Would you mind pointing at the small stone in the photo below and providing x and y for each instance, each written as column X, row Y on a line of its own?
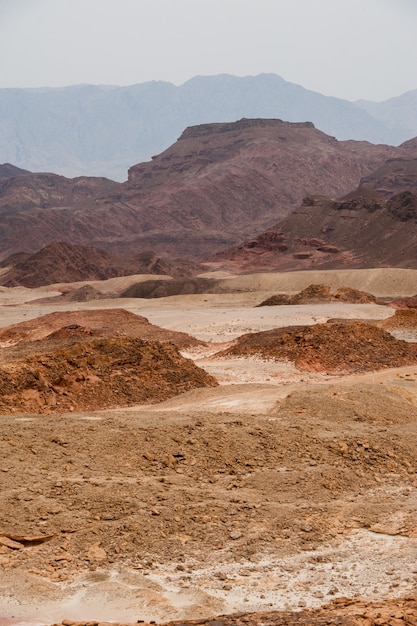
column 235, row 534
column 9, row 543
column 65, row 556
column 96, row 553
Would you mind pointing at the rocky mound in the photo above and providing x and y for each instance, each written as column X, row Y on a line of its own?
column 335, row 347
column 164, row 288
column 87, row 293
column 403, row 318
column 95, row 374
column 66, row 263
column 314, row 294
column 101, row 322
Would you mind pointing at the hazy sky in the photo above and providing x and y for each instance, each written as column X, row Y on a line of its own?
column 346, row 48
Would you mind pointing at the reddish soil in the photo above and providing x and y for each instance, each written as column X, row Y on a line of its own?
column 335, row 347
column 63, row 375
column 257, row 496
column 164, row 288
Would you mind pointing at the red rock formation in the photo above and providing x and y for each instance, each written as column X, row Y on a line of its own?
column 217, row 185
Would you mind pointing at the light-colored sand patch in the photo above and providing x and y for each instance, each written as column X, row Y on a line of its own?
column 113, row 285
column 379, row 281
column 367, row 564
column 222, row 323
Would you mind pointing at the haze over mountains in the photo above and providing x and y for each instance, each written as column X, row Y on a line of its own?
column 102, row 130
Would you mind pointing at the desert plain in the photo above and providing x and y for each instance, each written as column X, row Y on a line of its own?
column 271, row 488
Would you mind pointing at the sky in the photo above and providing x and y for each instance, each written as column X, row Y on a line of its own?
column 350, row 49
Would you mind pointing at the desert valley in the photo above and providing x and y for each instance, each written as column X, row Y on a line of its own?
column 208, row 387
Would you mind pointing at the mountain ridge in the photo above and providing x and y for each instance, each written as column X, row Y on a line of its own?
column 214, row 187
column 100, row 130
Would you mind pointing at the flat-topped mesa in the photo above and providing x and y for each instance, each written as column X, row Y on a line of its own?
column 204, row 144
column 243, row 124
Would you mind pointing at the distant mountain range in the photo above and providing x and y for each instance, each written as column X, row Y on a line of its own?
column 101, row 130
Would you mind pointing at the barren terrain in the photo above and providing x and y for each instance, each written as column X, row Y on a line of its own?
column 279, row 489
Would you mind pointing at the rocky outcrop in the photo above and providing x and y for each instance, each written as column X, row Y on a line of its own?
column 362, row 229
column 315, row 294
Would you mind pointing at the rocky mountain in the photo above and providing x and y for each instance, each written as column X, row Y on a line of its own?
column 396, row 113
column 7, row 170
column 101, row 130
column 373, row 226
column 216, row 186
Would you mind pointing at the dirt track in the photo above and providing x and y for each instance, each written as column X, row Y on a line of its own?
column 278, row 489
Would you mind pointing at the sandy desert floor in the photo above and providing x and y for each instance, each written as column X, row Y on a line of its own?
column 278, row 489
